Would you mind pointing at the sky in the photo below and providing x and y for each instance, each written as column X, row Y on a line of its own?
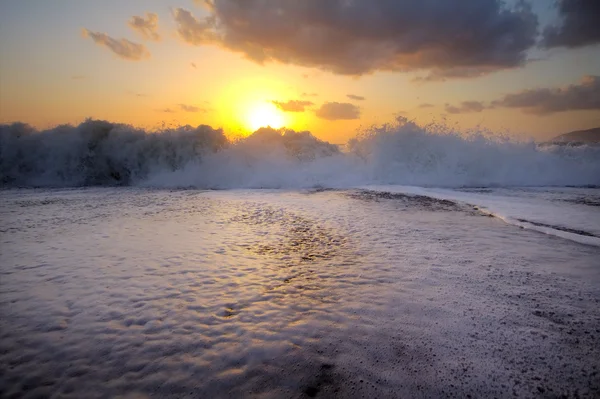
column 332, row 67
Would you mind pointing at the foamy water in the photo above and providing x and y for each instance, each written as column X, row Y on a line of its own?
column 371, row 271
column 571, row 213
column 108, row 292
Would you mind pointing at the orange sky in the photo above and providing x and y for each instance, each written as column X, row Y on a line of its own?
column 61, row 62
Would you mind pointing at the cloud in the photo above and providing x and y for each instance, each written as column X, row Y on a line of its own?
column 440, row 74
column 305, row 94
column 123, row 48
column 465, row 107
column 78, row 77
column 426, row 105
column 354, row 37
column 355, row 97
column 190, row 108
column 193, row 64
column 578, row 25
column 334, row 111
column 204, row 3
column 146, row 27
column 293, row 105
column 167, row 110
column 582, row 96
column 136, row 94
column 193, row 31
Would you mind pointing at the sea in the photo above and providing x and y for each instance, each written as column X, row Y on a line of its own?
column 412, row 262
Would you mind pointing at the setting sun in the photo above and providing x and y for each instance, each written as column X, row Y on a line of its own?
column 263, row 115
column 300, row 198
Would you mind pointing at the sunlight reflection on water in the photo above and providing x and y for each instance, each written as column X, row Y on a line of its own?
column 112, row 291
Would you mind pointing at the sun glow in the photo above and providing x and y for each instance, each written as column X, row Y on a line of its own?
column 263, row 115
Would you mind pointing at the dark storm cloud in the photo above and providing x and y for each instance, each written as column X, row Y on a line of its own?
column 338, row 111
column 146, row 27
column 578, row 26
column 293, row 105
column 465, row 107
column 582, row 96
column 447, row 38
column 355, row 97
column 123, row 48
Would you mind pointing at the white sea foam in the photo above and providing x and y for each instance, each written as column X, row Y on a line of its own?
column 131, row 292
column 102, row 153
column 561, row 212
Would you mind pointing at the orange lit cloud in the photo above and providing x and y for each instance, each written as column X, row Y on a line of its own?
column 123, row 48
column 292, row 105
column 190, row 108
column 465, row 107
column 194, row 31
column 334, row 111
column 355, row 97
column 146, row 27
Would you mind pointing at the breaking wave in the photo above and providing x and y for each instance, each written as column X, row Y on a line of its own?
column 100, row 153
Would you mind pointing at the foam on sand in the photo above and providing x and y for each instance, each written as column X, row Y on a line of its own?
column 561, row 212
column 109, row 292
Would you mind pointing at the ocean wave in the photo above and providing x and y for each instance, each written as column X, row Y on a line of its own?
column 100, row 153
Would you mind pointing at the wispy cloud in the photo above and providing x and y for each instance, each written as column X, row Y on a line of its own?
column 136, row 94
column 305, row 94
column 146, row 27
column 204, row 3
column 338, row 111
column 193, row 64
column 426, row 105
column 446, row 38
column 192, row 30
column 465, row 107
column 293, row 105
column 190, row 108
column 123, row 48
column 355, row 97
column 78, row 77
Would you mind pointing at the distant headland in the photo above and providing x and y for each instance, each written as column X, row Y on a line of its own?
column 580, row 136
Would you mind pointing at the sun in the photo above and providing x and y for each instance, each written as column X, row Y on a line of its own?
column 263, row 115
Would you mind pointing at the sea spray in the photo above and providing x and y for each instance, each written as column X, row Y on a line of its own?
column 100, row 153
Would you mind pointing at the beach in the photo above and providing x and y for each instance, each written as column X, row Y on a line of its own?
column 139, row 292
